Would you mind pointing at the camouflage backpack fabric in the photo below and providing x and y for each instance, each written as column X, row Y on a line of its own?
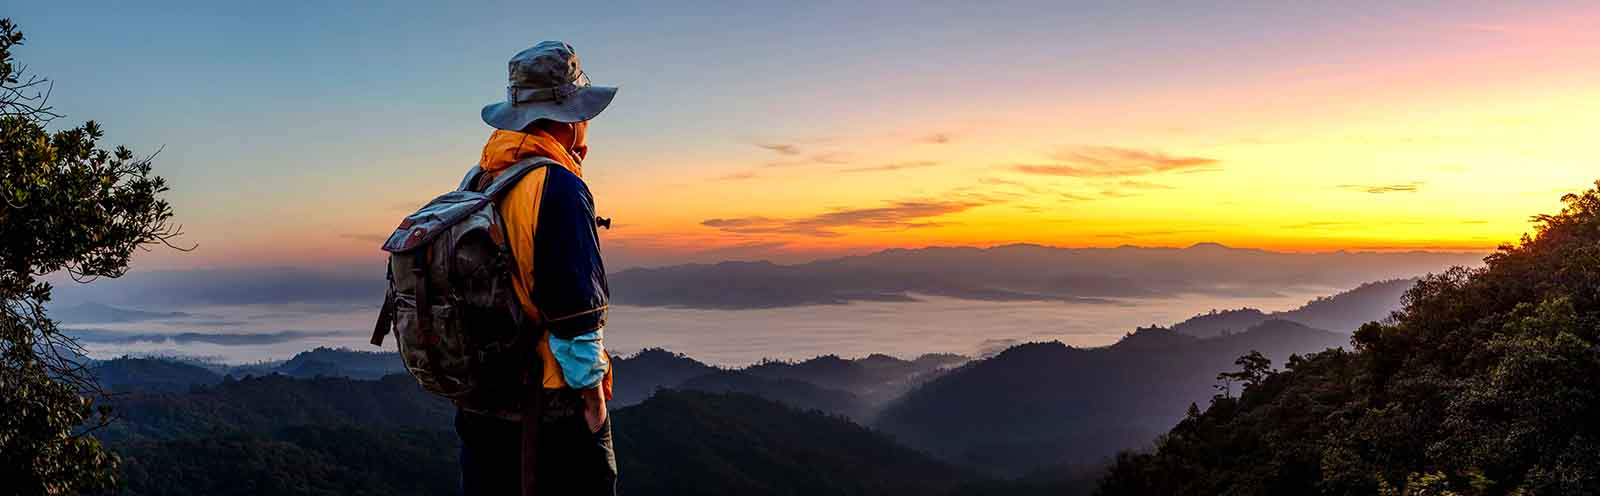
column 450, row 303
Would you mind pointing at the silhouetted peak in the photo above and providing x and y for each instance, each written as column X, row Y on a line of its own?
column 1152, row 338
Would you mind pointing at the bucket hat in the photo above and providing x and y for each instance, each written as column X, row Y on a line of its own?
column 547, row 82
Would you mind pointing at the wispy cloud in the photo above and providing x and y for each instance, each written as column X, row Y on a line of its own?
column 935, row 139
column 895, row 166
column 781, row 148
column 737, row 176
column 899, row 215
column 1410, row 187
column 1107, row 161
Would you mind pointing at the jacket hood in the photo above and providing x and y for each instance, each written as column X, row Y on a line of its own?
column 506, row 148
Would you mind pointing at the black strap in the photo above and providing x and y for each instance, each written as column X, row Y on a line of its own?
column 385, row 318
column 424, row 305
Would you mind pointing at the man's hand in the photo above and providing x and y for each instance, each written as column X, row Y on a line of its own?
column 594, row 408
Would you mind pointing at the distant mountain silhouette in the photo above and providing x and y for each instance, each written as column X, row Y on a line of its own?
column 1044, row 404
column 853, row 387
column 873, row 375
column 640, row 375
column 341, row 362
column 1343, row 312
column 850, row 387
column 1016, row 272
column 151, row 375
column 795, row 393
column 96, row 313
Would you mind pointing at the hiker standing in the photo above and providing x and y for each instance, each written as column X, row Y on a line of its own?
column 526, row 367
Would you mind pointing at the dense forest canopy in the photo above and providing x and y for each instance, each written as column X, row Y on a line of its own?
column 1482, row 384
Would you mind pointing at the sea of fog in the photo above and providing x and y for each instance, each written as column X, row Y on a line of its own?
column 252, row 333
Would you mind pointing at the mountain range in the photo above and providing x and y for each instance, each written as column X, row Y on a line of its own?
column 1034, row 417
column 1062, row 407
column 1017, row 273
column 1045, row 404
column 1343, row 312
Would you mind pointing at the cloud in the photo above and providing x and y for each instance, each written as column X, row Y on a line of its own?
column 895, row 166
column 1410, row 187
column 1107, row 161
column 737, row 176
column 935, row 139
column 898, row 215
column 826, row 158
column 781, row 148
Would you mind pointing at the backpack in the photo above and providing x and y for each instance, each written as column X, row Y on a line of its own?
column 451, row 305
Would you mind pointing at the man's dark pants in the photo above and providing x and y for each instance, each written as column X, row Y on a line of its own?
column 572, row 459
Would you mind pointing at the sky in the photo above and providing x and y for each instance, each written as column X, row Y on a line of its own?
column 299, row 134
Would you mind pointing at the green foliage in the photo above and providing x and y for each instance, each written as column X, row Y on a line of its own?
column 1482, row 384
column 65, row 205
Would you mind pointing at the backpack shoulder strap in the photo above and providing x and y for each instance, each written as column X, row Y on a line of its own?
column 470, row 182
column 505, row 180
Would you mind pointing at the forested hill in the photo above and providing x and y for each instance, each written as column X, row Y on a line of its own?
column 1483, row 384
column 283, row 435
column 1047, row 404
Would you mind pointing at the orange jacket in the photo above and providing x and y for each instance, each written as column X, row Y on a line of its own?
column 520, row 210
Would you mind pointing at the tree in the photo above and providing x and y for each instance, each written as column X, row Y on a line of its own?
column 65, row 206
column 1253, row 368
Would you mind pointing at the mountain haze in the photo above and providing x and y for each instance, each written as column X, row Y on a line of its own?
column 1343, row 312
column 1017, row 273
column 1048, row 404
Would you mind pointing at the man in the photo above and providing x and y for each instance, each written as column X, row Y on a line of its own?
column 560, row 283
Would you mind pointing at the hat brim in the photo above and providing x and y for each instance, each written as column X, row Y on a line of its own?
column 581, row 106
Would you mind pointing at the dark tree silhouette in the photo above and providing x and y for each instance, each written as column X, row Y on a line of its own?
column 1253, row 368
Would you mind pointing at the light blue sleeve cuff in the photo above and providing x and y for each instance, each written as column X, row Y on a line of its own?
column 582, row 358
